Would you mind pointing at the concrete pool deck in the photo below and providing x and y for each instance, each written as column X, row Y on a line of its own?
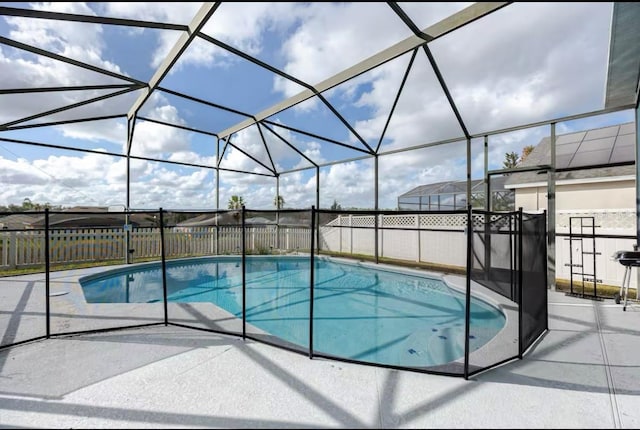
column 584, row 373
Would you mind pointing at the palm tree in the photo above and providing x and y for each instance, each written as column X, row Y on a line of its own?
column 278, row 202
column 27, row 204
column 511, row 160
column 236, row 202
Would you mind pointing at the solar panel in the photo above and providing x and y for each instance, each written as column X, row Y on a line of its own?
column 602, row 132
column 590, row 158
column 562, row 161
column 567, row 148
column 628, row 128
column 597, row 144
column 570, row 138
column 623, row 153
column 626, row 140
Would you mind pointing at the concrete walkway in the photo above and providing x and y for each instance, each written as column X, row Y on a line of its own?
column 584, row 373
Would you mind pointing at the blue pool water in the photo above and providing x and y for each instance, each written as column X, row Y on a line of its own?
column 360, row 313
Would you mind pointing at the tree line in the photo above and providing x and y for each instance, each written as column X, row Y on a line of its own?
column 27, row 206
column 236, row 202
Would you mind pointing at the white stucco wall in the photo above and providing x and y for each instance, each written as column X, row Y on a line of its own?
column 612, row 203
column 618, row 194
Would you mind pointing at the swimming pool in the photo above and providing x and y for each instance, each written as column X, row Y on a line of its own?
column 360, row 313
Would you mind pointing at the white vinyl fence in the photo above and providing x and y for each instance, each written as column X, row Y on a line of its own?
column 440, row 239
column 432, row 238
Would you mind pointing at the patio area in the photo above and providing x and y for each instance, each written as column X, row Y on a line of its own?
column 582, row 374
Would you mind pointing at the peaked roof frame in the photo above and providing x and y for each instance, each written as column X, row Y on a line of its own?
column 418, row 41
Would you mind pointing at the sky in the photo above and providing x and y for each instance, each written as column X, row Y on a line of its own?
column 524, row 63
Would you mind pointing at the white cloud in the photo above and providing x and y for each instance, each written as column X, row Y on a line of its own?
column 20, row 172
column 334, row 36
column 241, row 25
column 114, row 132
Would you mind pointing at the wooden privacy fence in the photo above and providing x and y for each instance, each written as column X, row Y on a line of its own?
column 26, row 248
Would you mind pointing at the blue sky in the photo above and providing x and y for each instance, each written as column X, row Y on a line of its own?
column 525, row 63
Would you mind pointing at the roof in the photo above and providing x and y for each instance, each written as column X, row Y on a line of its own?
column 17, row 221
column 624, row 55
column 611, row 148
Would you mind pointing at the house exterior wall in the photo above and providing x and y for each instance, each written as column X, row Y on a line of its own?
column 532, row 198
column 601, row 195
column 612, row 205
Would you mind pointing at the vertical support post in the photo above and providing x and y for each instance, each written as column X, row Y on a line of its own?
column 467, row 310
column 317, row 231
column 127, row 233
column 312, row 281
column 520, row 278
column 488, row 206
column 571, row 254
column 637, row 143
column 47, row 265
column 217, row 195
column 218, row 173
column 487, row 184
column 217, row 212
column 546, row 276
column 244, row 280
column 593, row 248
column 551, row 207
column 164, row 269
column 278, row 211
column 469, row 245
column 468, row 175
column 513, row 257
column 375, row 217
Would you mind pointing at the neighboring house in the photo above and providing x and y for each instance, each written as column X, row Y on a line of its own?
column 452, row 195
column 209, row 220
column 78, row 217
column 233, row 218
column 17, row 221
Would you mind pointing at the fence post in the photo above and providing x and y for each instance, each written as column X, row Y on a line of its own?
column 13, row 250
column 375, row 229
column 312, row 280
column 244, row 269
column 164, row 271
column 340, row 231
column 350, row 234
column 467, row 318
column 47, row 266
column 417, row 225
column 381, row 224
column 519, row 289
